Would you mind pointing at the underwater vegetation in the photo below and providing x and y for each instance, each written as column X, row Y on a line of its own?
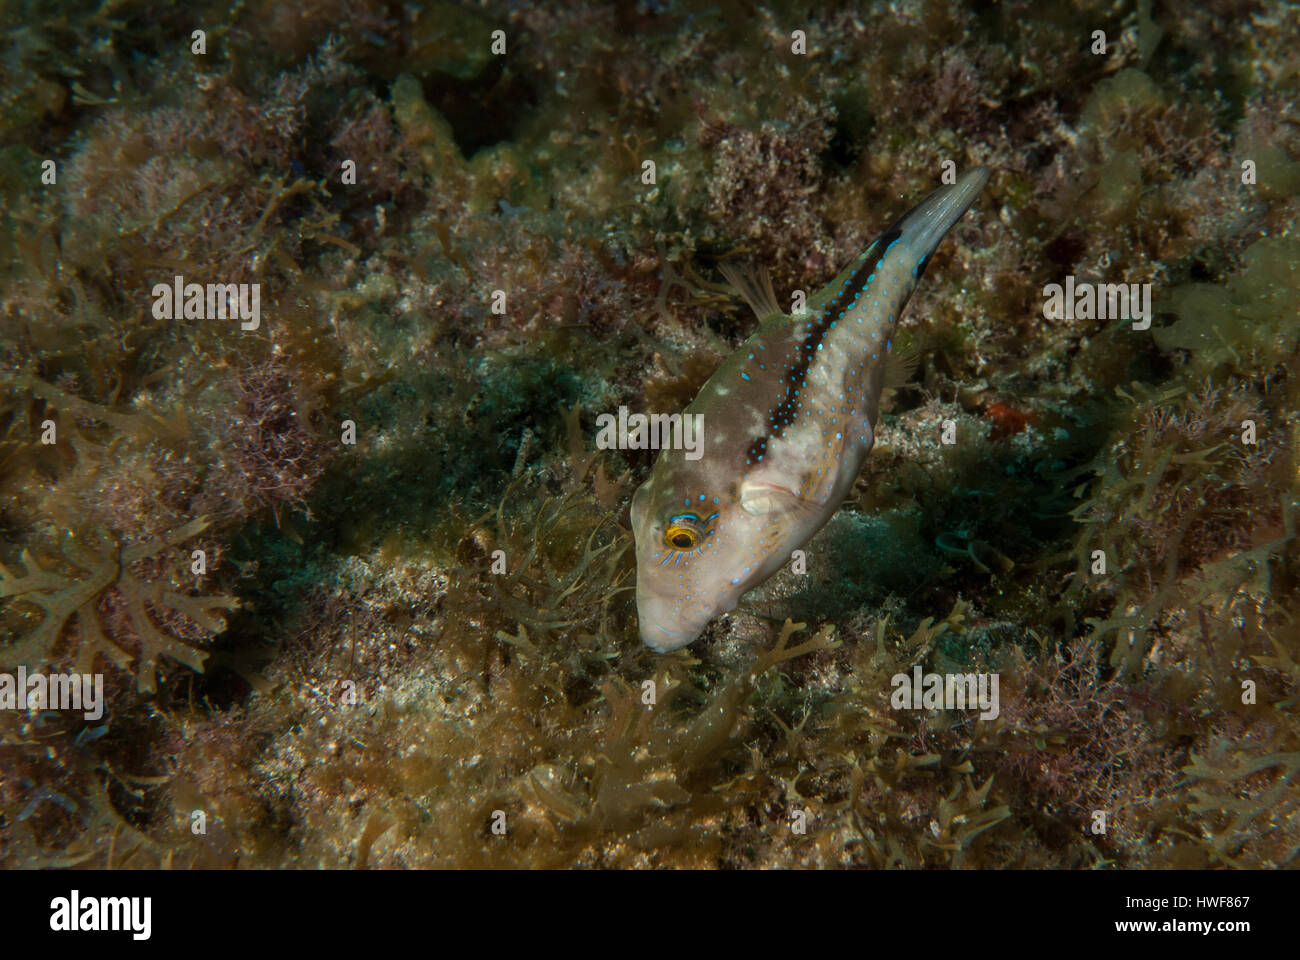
column 360, row 583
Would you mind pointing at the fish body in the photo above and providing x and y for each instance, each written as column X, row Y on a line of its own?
column 788, row 420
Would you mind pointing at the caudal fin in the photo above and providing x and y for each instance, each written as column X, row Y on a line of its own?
column 922, row 227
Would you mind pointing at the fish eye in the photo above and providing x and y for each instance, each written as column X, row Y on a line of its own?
column 684, row 532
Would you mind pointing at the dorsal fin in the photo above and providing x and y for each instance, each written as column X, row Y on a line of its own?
column 755, row 285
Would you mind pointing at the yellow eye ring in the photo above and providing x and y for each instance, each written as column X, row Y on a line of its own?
column 686, row 531
column 681, row 534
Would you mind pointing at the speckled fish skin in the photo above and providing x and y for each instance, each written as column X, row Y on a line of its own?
column 789, row 419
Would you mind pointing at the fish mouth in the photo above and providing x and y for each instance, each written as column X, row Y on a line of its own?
column 662, row 640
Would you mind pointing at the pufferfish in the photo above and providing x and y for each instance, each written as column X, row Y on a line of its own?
column 788, row 420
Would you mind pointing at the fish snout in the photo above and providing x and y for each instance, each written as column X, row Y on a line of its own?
column 661, row 629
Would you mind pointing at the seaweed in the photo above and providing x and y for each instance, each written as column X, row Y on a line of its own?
column 413, row 688
column 1247, row 806
column 98, row 582
column 1170, row 497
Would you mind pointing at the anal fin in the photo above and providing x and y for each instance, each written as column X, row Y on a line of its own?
column 900, row 365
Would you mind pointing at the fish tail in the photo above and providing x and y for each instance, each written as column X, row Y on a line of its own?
column 920, row 230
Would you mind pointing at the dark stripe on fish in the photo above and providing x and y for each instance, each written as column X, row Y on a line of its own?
column 783, row 413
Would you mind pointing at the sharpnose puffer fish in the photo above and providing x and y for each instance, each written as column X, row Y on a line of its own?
column 788, row 420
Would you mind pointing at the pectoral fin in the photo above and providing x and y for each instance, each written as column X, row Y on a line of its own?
column 759, row 499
